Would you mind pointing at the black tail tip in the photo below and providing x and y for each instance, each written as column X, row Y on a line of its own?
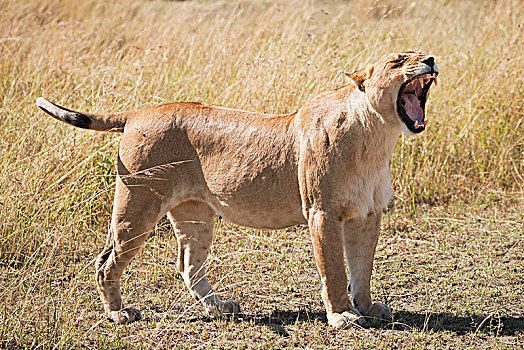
column 77, row 119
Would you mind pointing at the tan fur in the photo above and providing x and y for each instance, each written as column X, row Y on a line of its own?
column 326, row 166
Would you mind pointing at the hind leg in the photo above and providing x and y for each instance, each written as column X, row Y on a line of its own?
column 136, row 210
column 193, row 224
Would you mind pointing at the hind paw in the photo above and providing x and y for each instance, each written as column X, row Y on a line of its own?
column 125, row 315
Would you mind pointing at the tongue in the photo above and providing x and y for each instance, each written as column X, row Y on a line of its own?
column 412, row 107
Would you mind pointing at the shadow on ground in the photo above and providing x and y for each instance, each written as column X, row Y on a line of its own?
column 438, row 322
column 277, row 321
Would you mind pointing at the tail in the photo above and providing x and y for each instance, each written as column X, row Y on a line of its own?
column 102, row 122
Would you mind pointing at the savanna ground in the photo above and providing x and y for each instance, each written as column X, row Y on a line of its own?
column 450, row 258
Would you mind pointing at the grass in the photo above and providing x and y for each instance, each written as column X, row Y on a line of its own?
column 449, row 260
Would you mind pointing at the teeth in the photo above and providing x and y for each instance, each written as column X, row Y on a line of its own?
column 424, row 79
column 421, row 125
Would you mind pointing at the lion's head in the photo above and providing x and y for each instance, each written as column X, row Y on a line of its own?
column 397, row 86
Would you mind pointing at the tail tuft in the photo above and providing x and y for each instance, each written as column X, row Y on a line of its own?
column 71, row 117
column 102, row 122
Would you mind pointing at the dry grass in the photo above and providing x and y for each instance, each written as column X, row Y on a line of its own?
column 453, row 267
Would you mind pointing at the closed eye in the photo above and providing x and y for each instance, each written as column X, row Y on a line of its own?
column 398, row 62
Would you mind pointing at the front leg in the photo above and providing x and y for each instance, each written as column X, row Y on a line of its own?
column 360, row 241
column 326, row 236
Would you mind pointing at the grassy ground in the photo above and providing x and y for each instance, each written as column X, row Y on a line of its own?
column 450, row 259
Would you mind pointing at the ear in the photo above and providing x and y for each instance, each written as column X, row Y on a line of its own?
column 359, row 77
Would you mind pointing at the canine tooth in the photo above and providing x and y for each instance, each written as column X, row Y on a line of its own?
column 435, row 80
column 416, row 124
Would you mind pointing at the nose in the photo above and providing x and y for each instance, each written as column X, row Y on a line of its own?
column 430, row 61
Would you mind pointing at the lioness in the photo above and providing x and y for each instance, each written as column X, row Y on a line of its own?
column 327, row 165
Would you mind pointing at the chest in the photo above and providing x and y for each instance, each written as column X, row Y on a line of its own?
column 368, row 192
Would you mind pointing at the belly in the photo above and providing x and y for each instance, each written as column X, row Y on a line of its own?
column 261, row 217
column 265, row 200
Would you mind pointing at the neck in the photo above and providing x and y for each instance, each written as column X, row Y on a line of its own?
column 380, row 132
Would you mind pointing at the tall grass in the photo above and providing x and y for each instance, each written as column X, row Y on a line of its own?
column 56, row 181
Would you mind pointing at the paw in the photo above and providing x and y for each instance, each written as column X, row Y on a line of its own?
column 126, row 315
column 222, row 308
column 345, row 318
column 380, row 311
column 229, row 307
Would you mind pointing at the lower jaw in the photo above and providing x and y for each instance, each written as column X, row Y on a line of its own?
column 416, row 130
column 411, row 127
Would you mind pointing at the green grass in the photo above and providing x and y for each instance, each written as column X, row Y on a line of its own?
column 450, row 259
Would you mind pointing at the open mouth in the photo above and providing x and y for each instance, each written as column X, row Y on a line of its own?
column 411, row 101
